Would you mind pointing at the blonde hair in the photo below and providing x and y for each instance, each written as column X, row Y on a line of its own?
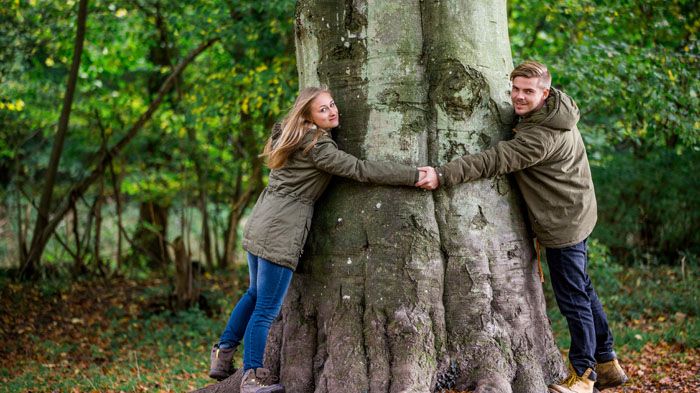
column 533, row 69
column 294, row 126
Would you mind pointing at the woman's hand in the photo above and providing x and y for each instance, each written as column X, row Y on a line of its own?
column 427, row 178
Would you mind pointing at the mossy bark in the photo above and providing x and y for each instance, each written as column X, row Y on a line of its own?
column 403, row 290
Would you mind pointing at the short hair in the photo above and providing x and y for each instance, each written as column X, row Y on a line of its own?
column 533, row 69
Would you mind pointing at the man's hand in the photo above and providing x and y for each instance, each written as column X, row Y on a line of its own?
column 428, row 178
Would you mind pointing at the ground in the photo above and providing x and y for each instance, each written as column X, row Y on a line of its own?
column 112, row 335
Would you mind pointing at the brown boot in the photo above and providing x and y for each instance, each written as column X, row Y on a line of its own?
column 221, row 366
column 574, row 384
column 254, row 381
column 610, row 375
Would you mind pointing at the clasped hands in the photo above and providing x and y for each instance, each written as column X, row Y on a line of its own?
column 427, row 178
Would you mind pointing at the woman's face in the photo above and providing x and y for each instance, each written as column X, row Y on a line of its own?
column 324, row 112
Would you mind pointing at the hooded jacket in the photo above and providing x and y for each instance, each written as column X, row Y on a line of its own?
column 548, row 160
column 279, row 224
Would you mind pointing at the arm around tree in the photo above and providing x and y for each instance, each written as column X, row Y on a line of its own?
column 327, row 157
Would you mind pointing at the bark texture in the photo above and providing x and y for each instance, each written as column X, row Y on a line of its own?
column 402, row 290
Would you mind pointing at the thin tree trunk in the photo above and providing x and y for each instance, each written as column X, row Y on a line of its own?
column 118, row 207
column 38, row 244
column 202, row 198
column 98, row 227
column 73, row 223
column 186, row 293
column 151, row 234
column 231, row 232
column 21, row 230
column 218, row 234
column 31, row 264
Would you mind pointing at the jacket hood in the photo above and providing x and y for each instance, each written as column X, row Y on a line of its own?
column 559, row 112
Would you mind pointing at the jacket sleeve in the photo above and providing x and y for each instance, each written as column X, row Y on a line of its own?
column 327, row 157
column 523, row 151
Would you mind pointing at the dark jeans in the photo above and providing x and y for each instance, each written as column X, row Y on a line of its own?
column 591, row 338
column 251, row 318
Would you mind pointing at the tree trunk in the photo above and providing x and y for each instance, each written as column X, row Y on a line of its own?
column 118, row 208
column 201, row 197
column 72, row 225
column 39, row 239
column 418, row 290
column 186, row 293
column 402, row 290
column 97, row 213
column 151, row 236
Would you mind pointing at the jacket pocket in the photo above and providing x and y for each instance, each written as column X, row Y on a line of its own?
column 306, row 219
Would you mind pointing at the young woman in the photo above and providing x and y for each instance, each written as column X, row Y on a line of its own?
column 302, row 158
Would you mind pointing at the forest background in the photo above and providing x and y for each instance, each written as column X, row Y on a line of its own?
column 188, row 92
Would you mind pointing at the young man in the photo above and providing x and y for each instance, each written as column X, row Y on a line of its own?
column 548, row 160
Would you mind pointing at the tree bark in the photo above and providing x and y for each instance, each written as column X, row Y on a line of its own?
column 151, row 234
column 97, row 213
column 418, row 291
column 118, row 208
column 201, row 197
column 186, row 293
column 31, row 263
column 402, row 290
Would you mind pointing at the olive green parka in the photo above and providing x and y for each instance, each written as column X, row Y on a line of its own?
column 548, row 160
column 279, row 224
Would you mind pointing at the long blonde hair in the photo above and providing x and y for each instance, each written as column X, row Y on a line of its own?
column 294, row 126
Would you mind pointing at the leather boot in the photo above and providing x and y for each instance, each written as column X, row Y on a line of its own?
column 255, row 380
column 221, row 366
column 610, row 375
column 574, row 383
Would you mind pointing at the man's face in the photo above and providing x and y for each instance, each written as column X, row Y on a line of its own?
column 527, row 95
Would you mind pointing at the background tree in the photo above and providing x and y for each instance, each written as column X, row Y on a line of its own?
column 40, row 237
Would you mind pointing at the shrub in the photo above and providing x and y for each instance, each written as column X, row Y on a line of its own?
column 649, row 209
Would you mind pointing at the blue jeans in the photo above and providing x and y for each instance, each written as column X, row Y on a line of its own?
column 591, row 338
column 251, row 318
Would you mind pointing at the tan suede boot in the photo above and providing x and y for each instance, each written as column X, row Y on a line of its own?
column 254, row 381
column 610, row 375
column 574, row 384
column 221, row 363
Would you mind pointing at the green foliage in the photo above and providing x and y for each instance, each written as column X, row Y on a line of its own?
column 648, row 209
column 204, row 136
column 632, row 66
